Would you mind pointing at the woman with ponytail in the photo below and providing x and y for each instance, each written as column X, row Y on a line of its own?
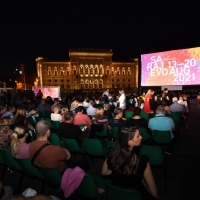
column 19, row 147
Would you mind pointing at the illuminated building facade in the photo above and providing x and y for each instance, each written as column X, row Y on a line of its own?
column 87, row 69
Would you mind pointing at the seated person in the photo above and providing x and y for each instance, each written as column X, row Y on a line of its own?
column 117, row 121
column 5, row 133
column 85, row 102
column 136, row 120
column 68, row 130
column 130, row 170
column 63, row 111
column 19, row 147
column 31, row 111
column 56, row 116
column 175, row 106
column 107, row 111
column 51, row 156
column 91, row 110
column 10, row 112
column 81, row 118
column 20, row 117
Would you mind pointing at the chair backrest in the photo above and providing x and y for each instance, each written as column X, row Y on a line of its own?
column 93, row 147
column 129, row 114
column 143, row 133
column 102, row 133
column 28, row 168
column 54, row 139
column 32, row 135
column 111, row 144
column 8, row 159
column 56, row 124
column 49, row 121
column 47, row 114
column 37, row 119
column 112, row 192
column 42, row 114
column 52, row 177
column 88, row 188
column 31, row 121
column 144, row 115
column 163, row 137
column 114, row 131
column 71, row 145
column 154, row 153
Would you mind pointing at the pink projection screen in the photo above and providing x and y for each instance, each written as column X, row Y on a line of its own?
column 53, row 92
column 177, row 67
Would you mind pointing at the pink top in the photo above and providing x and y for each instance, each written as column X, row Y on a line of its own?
column 23, row 151
column 80, row 118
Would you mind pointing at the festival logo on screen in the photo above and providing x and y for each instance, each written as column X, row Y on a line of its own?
column 178, row 67
column 53, row 92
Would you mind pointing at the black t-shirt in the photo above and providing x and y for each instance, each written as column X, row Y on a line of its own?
column 130, row 181
column 142, row 122
column 70, row 131
column 116, row 122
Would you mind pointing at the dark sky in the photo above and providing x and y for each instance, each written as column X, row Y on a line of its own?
column 29, row 30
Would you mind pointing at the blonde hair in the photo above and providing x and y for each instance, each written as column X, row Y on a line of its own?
column 99, row 113
column 19, row 132
column 6, row 121
column 64, row 110
column 150, row 91
column 20, row 111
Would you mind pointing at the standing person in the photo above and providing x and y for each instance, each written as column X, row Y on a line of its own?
column 148, row 96
column 39, row 95
column 122, row 100
column 106, row 93
column 130, row 170
column 165, row 94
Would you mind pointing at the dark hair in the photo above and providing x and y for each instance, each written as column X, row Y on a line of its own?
column 120, row 158
column 137, row 111
column 80, row 109
column 68, row 115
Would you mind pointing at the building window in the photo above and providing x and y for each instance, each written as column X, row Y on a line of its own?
column 123, row 85
column 55, row 71
column 112, row 80
column 67, row 73
column 123, row 71
column 118, row 72
column 61, row 73
column 74, row 72
column 123, row 79
column 107, row 72
column 113, row 73
column 118, row 85
column 117, row 79
column 129, row 71
column 55, row 80
column 49, row 71
column 113, row 85
column 128, row 79
column 61, row 80
column 49, row 80
column 67, row 80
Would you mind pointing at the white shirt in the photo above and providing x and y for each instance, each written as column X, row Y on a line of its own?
column 85, row 103
column 122, row 101
column 56, row 117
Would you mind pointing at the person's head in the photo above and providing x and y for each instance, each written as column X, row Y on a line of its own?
column 21, row 111
column 19, row 135
column 99, row 113
column 160, row 110
column 3, row 109
column 43, row 102
column 56, row 109
column 175, row 100
column 12, row 109
column 69, row 117
column 165, row 90
column 106, row 106
column 121, row 91
column 31, row 106
column 91, row 102
column 80, row 109
column 150, row 91
column 164, row 102
column 64, row 110
column 42, row 129
column 118, row 112
column 137, row 111
column 6, row 121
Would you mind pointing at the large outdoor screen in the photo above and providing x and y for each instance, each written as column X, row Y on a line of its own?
column 53, row 92
column 177, row 67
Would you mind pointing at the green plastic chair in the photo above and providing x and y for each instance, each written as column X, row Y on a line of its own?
column 88, row 189
column 106, row 117
column 42, row 114
column 54, row 139
column 93, row 147
column 144, row 134
column 103, row 133
column 156, row 159
column 111, row 144
column 9, row 161
column 49, row 121
column 82, row 125
column 56, row 125
column 114, row 193
column 72, row 146
column 52, row 177
column 37, row 119
column 32, row 135
column 31, row 121
column 162, row 137
column 47, row 114
column 129, row 114
column 114, row 132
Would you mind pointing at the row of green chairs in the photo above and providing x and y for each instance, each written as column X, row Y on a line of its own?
column 130, row 114
column 51, row 177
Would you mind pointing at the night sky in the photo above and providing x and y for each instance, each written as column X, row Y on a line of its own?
column 29, row 30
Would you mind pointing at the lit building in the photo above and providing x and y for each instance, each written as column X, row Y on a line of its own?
column 87, row 69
